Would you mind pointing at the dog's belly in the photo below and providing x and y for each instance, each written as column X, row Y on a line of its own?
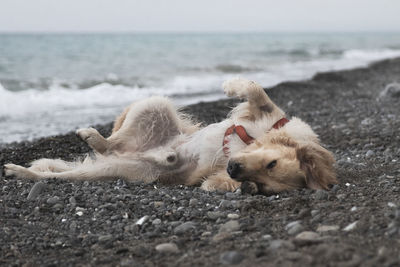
column 205, row 145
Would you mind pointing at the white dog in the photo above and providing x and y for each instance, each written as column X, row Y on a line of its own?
column 152, row 141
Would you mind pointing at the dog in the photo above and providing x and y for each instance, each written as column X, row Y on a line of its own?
column 256, row 147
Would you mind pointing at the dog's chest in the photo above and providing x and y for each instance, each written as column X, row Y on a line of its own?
column 206, row 145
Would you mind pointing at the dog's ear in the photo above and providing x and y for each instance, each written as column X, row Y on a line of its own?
column 317, row 163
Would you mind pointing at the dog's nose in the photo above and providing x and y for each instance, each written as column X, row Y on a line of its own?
column 234, row 169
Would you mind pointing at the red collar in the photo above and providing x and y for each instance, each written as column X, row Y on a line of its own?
column 241, row 132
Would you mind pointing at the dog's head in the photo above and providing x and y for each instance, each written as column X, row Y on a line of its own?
column 278, row 163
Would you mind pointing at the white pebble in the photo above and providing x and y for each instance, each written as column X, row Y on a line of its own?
column 79, row 213
column 233, row 216
column 142, row 220
column 167, row 248
column 350, row 227
column 391, row 204
column 327, row 228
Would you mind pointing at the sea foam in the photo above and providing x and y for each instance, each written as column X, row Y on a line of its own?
column 36, row 112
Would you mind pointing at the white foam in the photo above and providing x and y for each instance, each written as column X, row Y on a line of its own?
column 35, row 112
column 370, row 55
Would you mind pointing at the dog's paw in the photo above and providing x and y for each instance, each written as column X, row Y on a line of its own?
column 213, row 185
column 249, row 188
column 18, row 171
column 86, row 133
column 237, row 87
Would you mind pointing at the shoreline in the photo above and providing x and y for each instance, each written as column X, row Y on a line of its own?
column 356, row 223
column 193, row 106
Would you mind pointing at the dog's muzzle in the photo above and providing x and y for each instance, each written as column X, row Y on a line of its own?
column 234, row 169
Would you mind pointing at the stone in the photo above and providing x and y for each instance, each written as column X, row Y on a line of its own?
column 350, row 227
column 327, row 228
column 391, row 90
column 193, row 202
column 279, row 243
column 184, row 228
column 221, row 236
column 231, row 258
column 226, row 204
column 307, row 237
column 158, row 204
column 214, row 215
column 36, row 189
column 72, row 200
column 294, row 228
column 229, row 226
column 233, row 216
column 369, row 154
column 58, row 206
column 142, row 220
column 167, row 248
column 156, row 222
column 105, row 238
column 321, row 195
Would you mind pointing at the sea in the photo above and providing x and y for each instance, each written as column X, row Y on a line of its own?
column 54, row 83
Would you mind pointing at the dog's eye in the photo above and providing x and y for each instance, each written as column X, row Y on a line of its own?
column 271, row 164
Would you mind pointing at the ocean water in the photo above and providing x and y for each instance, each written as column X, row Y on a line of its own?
column 55, row 83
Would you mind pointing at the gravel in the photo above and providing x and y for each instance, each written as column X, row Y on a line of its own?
column 64, row 223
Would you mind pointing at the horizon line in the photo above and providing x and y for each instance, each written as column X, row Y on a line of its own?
column 197, row 32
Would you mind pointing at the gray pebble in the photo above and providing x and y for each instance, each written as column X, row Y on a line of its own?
column 193, row 202
column 391, row 90
column 231, row 195
column 53, row 200
column 231, row 257
column 128, row 262
column 72, row 200
column 105, row 238
column 36, row 189
column 225, row 204
column 221, row 236
column 369, row 154
column 167, row 248
column 294, row 228
column 321, row 195
column 58, row 206
column 184, row 228
column 229, row 226
column 156, row 222
column 314, row 213
column 307, row 237
column 279, row 243
column 73, row 226
column 214, row 215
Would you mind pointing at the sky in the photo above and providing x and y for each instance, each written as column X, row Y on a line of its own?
column 199, row 16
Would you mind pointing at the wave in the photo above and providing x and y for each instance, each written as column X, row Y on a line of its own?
column 371, row 55
column 34, row 112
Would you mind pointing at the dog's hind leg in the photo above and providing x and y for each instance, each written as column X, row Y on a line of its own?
column 110, row 168
column 148, row 124
column 144, row 125
column 51, row 165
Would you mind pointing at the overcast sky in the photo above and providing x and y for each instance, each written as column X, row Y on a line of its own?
column 200, row 15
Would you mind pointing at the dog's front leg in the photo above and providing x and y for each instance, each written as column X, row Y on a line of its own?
column 259, row 102
column 220, row 181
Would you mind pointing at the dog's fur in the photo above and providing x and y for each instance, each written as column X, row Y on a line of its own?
column 152, row 141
